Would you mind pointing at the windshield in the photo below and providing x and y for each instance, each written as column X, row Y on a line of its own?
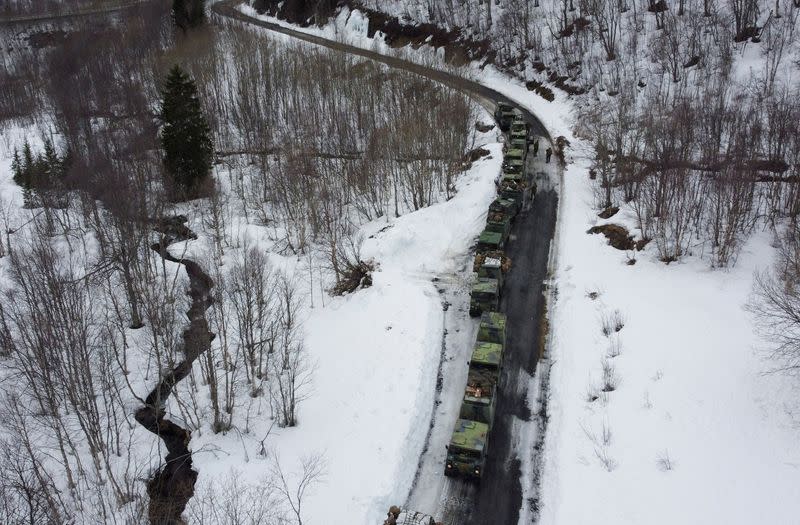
column 458, row 451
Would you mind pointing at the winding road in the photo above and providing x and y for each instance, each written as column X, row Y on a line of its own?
column 497, row 500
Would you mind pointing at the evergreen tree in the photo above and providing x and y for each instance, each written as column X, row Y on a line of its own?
column 42, row 175
column 188, row 14
column 185, row 137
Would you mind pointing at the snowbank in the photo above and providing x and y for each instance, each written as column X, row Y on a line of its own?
column 376, row 355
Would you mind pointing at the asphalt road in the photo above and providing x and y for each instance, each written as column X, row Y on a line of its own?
column 498, row 498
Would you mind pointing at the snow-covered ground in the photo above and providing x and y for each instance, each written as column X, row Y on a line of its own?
column 376, row 354
column 694, row 431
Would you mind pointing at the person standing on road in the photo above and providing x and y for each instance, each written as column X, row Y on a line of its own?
column 535, row 147
column 549, row 153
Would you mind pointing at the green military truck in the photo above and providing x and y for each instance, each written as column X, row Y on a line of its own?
column 507, row 206
column 492, row 328
column 513, row 165
column 499, row 222
column 513, row 186
column 466, row 453
column 518, row 127
column 484, row 297
column 490, row 241
column 504, row 114
column 491, row 265
column 482, row 380
column 519, row 143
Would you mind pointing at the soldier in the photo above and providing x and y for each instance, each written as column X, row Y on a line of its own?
column 548, row 153
column 535, row 147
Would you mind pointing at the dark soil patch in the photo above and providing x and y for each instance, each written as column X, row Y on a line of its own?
column 458, row 48
column 476, row 154
column 658, row 7
column 641, row 243
column 608, row 212
column 47, row 39
column 356, row 276
column 618, row 236
column 484, row 128
column 541, row 90
column 692, row 62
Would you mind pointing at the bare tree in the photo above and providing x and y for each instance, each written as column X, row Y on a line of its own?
column 775, row 305
column 293, row 488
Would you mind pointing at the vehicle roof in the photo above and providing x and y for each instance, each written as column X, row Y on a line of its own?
column 500, row 202
column 487, row 354
column 470, row 435
column 485, row 285
column 490, row 237
column 493, row 320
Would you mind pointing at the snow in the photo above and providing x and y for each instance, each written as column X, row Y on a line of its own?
column 691, row 389
column 695, row 432
column 376, row 354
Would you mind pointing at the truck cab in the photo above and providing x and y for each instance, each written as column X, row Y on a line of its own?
column 514, row 152
column 499, row 222
column 492, row 328
column 490, row 241
column 491, row 268
column 484, row 297
column 519, row 143
column 513, row 165
column 513, row 186
column 502, row 205
column 466, row 453
column 504, row 114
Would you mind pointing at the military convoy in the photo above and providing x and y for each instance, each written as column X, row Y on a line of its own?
column 469, row 442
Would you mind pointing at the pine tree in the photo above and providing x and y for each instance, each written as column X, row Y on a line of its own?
column 185, row 137
column 16, row 167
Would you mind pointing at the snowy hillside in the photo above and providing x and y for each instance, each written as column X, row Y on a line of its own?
column 286, row 339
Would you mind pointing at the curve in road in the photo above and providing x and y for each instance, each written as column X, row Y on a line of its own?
column 498, row 498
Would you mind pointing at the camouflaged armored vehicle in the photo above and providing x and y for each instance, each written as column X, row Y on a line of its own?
column 484, row 297
column 514, row 152
column 492, row 328
column 482, row 381
column 491, row 265
column 513, row 165
column 492, row 268
column 513, row 187
column 499, row 222
column 502, row 205
column 518, row 124
column 466, row 453
column 490, row 241
column 504, row 114
column 519, row 143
